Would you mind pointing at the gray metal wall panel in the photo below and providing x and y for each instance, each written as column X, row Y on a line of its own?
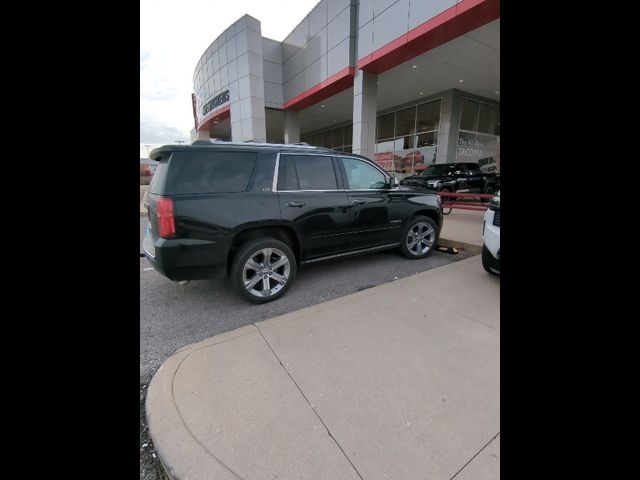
column 334, row 7
column 294, row 87
column 380, row 6
column 365, row 40
column 318, row 18
column 273, row 94
column 271, row 50
column 338, row 57
column 339, row 28
column 366, row 12
column 420, row 12
column 293, row 66
column 272, row 72
column 390, row 24
column 315, row 73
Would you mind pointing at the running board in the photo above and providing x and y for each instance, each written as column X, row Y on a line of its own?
column 354, row 252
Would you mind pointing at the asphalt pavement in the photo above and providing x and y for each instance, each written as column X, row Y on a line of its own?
column 401, row 380
column 172, row 316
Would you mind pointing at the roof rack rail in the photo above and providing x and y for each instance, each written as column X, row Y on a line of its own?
column 214, row 141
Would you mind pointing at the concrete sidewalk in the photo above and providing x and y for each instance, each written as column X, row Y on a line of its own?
column 400, row 381
column 463, row 228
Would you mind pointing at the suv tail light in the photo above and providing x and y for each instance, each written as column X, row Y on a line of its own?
column 166, row 220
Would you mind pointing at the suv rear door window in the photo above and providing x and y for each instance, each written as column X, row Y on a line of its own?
column 306, row 172
column 210, row 172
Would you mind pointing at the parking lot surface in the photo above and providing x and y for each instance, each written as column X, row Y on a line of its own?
column 172, row 316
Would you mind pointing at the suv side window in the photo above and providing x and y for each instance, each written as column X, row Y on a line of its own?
column 306, row 172
column 210, row 172
column 361, row 176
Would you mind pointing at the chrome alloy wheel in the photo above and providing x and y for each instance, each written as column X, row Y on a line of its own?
column 266, row 272
column 420, row 238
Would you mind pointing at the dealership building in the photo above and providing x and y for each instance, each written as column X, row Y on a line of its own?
column 404, row 82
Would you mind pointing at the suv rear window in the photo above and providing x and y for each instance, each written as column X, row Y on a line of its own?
column 306, row 172
column 158, row 179
column 210, row 172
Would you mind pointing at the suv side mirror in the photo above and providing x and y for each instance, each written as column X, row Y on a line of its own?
column 393, row 182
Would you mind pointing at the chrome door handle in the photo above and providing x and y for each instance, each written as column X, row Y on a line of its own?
column 358, row 202
column 295, row 204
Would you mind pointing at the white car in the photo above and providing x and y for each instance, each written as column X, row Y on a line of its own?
column 491, row 237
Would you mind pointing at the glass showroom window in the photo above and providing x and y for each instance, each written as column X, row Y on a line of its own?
column 479, row 136
column 406, row 140
column 338, row 138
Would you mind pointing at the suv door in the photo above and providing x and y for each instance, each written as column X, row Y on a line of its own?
column 375, row 218
column 471, row 179
column 310, row 199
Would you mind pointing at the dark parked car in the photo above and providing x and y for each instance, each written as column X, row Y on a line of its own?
column 260, row 210
column 455, row 177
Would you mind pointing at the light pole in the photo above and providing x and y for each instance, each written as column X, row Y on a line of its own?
column 148, row 146
column 180, row 141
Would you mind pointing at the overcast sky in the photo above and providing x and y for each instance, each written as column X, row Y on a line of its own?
column 173, row 36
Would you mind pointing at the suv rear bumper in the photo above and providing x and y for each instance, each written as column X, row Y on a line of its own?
column 186, row 259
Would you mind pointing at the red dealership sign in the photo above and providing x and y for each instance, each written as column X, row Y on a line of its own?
column 385, row 160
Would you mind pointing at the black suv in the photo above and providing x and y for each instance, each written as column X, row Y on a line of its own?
column 260, row 210
column 455, row 177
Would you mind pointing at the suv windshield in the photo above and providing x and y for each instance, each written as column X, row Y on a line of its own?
column 441, row 169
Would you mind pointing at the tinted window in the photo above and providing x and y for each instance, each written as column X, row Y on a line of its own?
column 306, row 172
column 427, row 139
column 385, row 126
column 361, row 176
column 287, row 176
column 327, row 139
column 405, row 122
column 210, row 172
column 338, row 137
column 428, row 116
column 469, row 115
column 439, row 169
column 488, row 118
column 316, row 140
column 348, row 135
column 158, row 179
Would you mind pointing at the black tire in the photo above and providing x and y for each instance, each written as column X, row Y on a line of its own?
column 490, row 264
column 252, row 249
column 416, row 252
